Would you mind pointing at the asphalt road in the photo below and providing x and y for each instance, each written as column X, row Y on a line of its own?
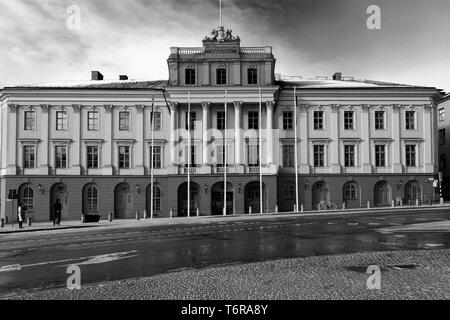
column 35, row 262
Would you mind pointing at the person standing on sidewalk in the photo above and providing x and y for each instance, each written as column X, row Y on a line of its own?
column 57, row 208
column 20, row 215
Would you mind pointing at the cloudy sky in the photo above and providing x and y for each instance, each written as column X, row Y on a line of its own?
column 310, row 37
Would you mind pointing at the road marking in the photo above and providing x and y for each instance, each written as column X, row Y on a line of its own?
column 374, row 224
column 433, row 245
column 89, row 260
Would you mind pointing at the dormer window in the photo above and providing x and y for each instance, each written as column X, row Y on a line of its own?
column 221, row 76
column 252, row 76
column 190, row 76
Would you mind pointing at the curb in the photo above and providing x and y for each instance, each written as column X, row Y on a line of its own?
column 241, row 217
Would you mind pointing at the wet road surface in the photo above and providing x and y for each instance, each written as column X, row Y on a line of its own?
column 35, row 262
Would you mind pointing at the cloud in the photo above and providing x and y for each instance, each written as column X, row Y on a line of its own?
column 309, row 37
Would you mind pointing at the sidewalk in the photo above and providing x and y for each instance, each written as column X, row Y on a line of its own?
column 104, row 224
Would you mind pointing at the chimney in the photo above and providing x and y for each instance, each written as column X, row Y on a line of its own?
column 123, row 77
column 337, row 76
column 96, row 76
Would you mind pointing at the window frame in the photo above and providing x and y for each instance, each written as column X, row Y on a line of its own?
column 252, row 76
column 411, row 160
column 28, row 198
column 91, row 161
column 290, row 161
column 442, row 136
column 318, row 120
column 319, row 162
column 349, row 123
column 383, row 118
column 29, row 126
column 92, row 199
column 124, row 157
column 408, row 125
column 62, row 160
column 62, row 123
column 220, row 120
column 193, row 119
column 124, row 122
column 253, row 120
column 441, row 114
column 33, row 155
column 221, row 76
column 288, row 120
column 157, row 157
column 380, row 156
column 350, row 162
column 188, row 77
column 93, row 123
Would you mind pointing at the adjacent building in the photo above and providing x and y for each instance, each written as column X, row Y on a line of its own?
column 222, row 111
column 444, row 143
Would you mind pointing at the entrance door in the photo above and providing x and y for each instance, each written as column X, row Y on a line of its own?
column 320, row 193
column 252, row 197
column 183, row 200
column 123, row 201
column 382, row 194
column 217, row 199
column 59, row 192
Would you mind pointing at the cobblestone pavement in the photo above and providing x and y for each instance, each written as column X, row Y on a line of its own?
column 404, row 275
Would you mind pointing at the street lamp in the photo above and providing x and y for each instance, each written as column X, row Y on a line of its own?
column 240, row 188
column 206, row 189
column 306, row 184
column 41, row 188
column 138, row 189
column 400, row 184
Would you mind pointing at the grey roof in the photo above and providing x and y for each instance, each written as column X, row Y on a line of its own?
column 345, row 84
column 104, row 84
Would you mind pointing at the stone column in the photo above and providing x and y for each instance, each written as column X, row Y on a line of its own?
column 396, row 149
column 269, row 133
column 237, row 133
column 76, row 149
column 172, row 142
column 302, row 141
column 335, row 166
column 205, row 106
column 427, row 128
column 365, row 137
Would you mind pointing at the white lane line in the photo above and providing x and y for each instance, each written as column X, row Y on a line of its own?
column 433, row 245
column 89, row 260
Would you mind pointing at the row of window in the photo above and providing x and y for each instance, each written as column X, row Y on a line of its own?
column 92, row 157
column 91, row 197
column 288, row 154
column 221, row 76
column 93, row 123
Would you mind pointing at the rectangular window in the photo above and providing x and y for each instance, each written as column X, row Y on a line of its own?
column 124, row 121
column 93, row 120
column 349, row 154
column 61, row 120
column 410, row 155
column 124, row 157
column 157, row 157
column 441, row 114
column 190, row 76
column 192, row 157
column 221, row 76
column 220, row 120
column 60, row 157
column 253, row 120
column 288, row 156
column 379, row 120
column 193, row 119
column 319, row 156
column 318, row 120
column 288, row 120
column 410, row 120
column 442, row 136
column 157, row 121
column 252, row 76
column 253, row 155
column 29, row 157
column 380, row 155
column 349, row 119
column 92, row 157
column 220, row 155
column 30, row 120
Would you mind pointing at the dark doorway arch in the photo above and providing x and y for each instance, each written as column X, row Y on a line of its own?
column 59, row 192
column 90, row 199
column 157, row 200
column 123, row 201
column 320, row 192
column 183, row 199
column 351, row 195
column 27, row 197
column 217, row 198
column 413, row 191
column 252, row 197
column 382, row 194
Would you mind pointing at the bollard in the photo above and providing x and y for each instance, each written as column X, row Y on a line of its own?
column 83, row 218
column 137, row 216
column 343, row 206
column 393, row 203
column 2, row 223
column 401, row 202
column 29, row 221
column 249, row 210
column 301, row 208
column 110, row 217
column 198, row 212
column 295, row 208
column 441, row 201
column 417, row 202
column 145, row 214
column 430, row 202
column 368, row 204
column 276, row 209
column 171, row 213
column 6, row 220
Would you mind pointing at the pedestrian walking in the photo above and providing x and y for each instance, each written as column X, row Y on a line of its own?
column 21, row 215
column 57, row 208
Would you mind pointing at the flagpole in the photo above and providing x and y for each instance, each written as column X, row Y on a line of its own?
column 296, row 149
column 220, row 4
column 152, row 166
column 261, row 208
column 189, row 156
column 225, row 162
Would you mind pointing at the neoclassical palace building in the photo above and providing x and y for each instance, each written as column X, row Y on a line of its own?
column 223, row 110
